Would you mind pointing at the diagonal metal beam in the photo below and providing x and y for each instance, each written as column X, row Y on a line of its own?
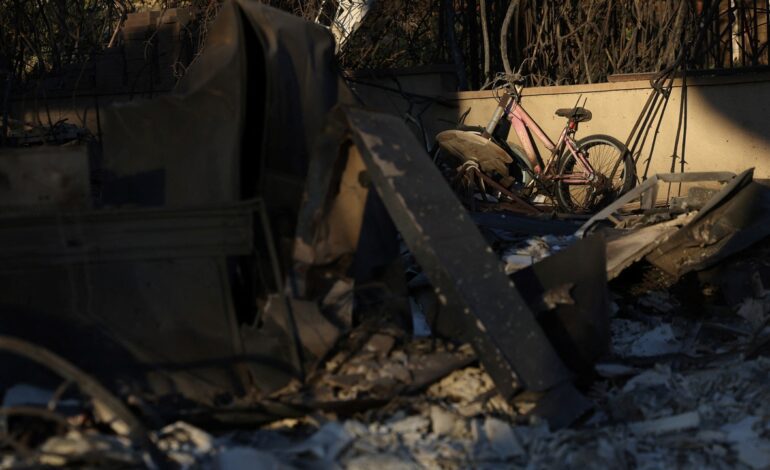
column 467, row 276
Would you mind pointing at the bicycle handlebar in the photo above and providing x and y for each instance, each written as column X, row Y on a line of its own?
column 514, row 78
column 512, row 83
column 503, row 80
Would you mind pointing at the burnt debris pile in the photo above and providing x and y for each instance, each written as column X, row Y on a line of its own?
column 257, row 270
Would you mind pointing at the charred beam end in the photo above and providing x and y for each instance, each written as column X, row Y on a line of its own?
column 468, row 277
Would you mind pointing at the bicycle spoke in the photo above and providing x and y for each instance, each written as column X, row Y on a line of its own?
column 608, row 162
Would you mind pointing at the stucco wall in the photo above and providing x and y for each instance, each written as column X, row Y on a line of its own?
column 728, row 125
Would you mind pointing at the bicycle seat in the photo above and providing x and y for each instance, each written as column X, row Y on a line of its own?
column 578, row 114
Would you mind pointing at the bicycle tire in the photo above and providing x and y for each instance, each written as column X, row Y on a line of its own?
column 609, row 157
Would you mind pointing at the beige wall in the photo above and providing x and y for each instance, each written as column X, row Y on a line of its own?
column 728, row 126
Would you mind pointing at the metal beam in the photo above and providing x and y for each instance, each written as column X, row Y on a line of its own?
column 468, row 277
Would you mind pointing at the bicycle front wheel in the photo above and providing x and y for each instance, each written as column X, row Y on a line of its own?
column 520, row 169
column 615, row 175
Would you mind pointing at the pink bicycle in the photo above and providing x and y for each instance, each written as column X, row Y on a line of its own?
column 579, row 176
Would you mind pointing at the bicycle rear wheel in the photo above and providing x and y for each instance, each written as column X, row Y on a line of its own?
column 614, row 168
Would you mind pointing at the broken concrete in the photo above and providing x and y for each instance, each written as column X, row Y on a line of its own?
column 368, row 319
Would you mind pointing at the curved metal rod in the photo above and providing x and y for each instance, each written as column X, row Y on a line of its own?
column 33, row 411
column 90, row 386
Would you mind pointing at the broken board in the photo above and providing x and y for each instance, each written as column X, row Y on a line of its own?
column 468, row 277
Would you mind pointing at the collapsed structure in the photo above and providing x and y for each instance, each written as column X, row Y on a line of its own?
column 259, row 224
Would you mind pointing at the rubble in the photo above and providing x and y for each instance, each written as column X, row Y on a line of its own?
column 648, row 416
column 321, row 298
column 532, row 250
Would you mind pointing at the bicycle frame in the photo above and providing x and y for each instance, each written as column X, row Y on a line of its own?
column 521, row 122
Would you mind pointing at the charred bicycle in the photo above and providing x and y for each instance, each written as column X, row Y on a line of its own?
column 579, row 176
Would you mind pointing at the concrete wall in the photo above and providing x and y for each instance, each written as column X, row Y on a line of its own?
column 728, row 125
